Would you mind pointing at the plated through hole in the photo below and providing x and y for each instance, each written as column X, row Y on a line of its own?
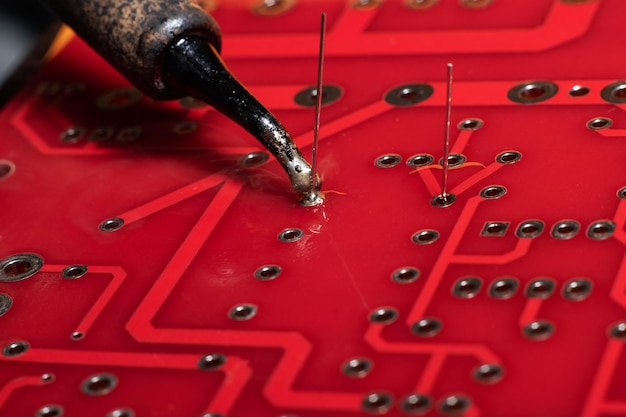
column 540, row 288
column 493, row 192
column 467, row 287
column 416, row 403
column 20, row 266
column 15, row 348
column 454, row 405
column 578, row 91
column 405, row 275
column 565, row 229
column 614, row 92
column 291, row 235
column 577, row 289
column 99, row 384
column 74, row 271
column 599, row 123
column 426, row 327
column 420, row 160
column 383, row 315
column 529, row 229
column 497, row 229
column 538, row 330
column 52, row 410
column 387, row 161
column 242, row 312
column 508, row 157
column 601, row 230
column 308, row 96
column 121, row 412
column 253, row 159
column 377, row 402
column 488, row 373
column 408, row 94
column 268, row 272
column 357, row 367
column 425, row 237
column 112, row 224
column 532, row 92
column 470, row 124
column 454, row 160
column 212, row 362
column 503, row 288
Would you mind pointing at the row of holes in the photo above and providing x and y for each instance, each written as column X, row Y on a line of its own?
column 381, row 402
column 563, row 230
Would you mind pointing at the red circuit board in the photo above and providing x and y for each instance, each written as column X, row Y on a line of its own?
column 154, row 263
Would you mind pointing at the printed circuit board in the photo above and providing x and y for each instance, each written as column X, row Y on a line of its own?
column 155, row 262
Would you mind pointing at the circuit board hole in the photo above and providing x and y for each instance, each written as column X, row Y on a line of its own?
column 425, row 237
column 427, row 327
column 405, row 275
column 416, row 404
column 212, row 362
column 15, row 349
column 100, row 384
column 50, row 411
column 383, row 315
column 454, row 405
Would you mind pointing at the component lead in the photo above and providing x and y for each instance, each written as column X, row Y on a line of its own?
column 445, row 199
column 314, row 196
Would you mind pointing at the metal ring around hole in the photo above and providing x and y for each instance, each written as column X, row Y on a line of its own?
column 121, row 412
column 416, row 404
column 601, row 230
column 621, row 193
column 532, row 92
column 74, row 271
column 72, row 134
column 467, row 287
column 405, row 275
column 212, row 361
column 292, row 234
column 408, row 94
column 503, row 288
column 15, row 348
column 508, row 157
column 493, row 192
column 454, row 405
column 529, row 229
column 268, row 272
column 112, row 224
column 377, row 402
column 577, row 289
column 253, row 159
column 357, row 367
column 579, row 91
column 565, row 229
column 454, row 160
column 538, row 330
column 242, row 312
column 50, row 410
column 426, row 327
column 308, row 96
column 388, row 160
column 470, row 124
column 420, row 160
column 425, row 237
column 540, row 288
column 99, row 384
column 495, row 229
column 6, row 301
column 20, row 266
column 614, row 92
column 599, row 123
column 420, row 4
column 383, row 315
column 488, row 373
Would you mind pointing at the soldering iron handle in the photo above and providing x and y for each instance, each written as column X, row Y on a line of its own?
column 133, row 34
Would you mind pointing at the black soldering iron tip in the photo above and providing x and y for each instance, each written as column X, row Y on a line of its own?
column 192, row 66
